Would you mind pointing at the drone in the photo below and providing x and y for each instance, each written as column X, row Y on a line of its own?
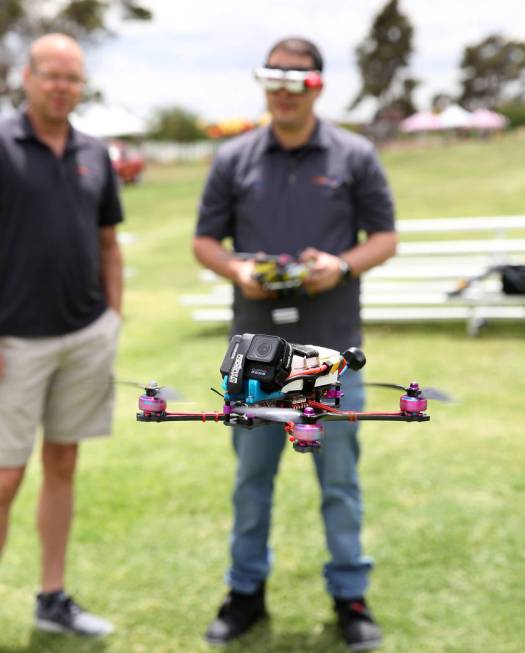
column 266, row 379
column 279, row 273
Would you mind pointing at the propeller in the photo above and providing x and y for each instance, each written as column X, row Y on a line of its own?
column 428, row 393
column 161, row 392
column 270, row 414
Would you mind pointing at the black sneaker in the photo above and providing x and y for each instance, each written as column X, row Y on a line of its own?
column 360, row 631
column 58, row 613
column 238, row 613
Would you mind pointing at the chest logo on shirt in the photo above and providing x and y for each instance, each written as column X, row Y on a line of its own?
column 329, row 182
column 83, row 171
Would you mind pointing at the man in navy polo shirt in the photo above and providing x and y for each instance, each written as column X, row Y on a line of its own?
column 60, row 297
column 304, row 187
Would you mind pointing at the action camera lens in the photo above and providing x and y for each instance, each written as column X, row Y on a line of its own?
column 264, row 349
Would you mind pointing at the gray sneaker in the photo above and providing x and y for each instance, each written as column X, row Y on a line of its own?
column 58, row 613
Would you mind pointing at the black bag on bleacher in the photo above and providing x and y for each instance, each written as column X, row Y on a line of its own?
column 513, row 279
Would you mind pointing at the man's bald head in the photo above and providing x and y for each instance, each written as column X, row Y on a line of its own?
column 54, row 78
column 53, row 45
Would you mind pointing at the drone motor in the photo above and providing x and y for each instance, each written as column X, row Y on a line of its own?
column 152, row 400
column 305, row 438
column 413, row 401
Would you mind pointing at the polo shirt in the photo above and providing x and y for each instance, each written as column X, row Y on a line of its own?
column 51, row 211
column 267, row 198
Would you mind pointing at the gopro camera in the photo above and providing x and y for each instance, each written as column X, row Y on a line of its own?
column 267, row 359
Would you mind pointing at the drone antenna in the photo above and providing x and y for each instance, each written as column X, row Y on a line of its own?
column 217, row 392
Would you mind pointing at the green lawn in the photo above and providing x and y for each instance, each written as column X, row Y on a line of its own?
column 444, row 499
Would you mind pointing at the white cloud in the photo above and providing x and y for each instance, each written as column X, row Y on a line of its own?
column 201, row 56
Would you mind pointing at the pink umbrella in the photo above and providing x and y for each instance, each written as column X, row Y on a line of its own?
column 421, row 121
column 485, row 119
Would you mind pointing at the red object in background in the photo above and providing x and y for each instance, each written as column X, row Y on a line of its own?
column 127, row 162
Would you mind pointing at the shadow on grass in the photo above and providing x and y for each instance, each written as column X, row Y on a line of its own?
column 40, row 642
column 264, row 640
column 210, row 331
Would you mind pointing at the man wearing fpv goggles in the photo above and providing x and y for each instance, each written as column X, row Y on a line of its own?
column 304, row 187
column 293, row 81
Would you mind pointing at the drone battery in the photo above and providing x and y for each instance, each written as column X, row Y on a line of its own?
column 305, row 356
column 306, row 351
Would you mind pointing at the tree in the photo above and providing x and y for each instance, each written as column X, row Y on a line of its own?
column 441, row 100
column 384, row 56
column 21, row 21
column 514, row 111
column 176, row 124
column 493, row 71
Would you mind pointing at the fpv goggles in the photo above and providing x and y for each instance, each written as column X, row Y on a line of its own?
column 293, row 81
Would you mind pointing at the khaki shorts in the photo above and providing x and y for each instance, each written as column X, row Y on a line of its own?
column 64, row 383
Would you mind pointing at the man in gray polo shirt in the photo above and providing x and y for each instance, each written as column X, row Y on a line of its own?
column 60, row 296
column 304, row 187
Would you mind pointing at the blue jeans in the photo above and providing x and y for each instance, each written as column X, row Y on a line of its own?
column 258, row 454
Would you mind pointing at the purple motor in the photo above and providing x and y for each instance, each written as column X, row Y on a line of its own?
column 413, row 401
column 307, row 432
column 149, row 404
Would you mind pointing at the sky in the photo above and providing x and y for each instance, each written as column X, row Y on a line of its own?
column 200, row 54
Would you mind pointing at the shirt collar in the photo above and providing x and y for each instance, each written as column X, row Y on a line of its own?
column 23, row 131
column 317, row 141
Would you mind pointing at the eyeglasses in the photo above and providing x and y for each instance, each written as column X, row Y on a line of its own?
column 293, row 81
column 55, row 78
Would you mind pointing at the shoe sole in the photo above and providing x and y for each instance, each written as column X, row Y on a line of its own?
column 366, row 646
column 52, row 627
column 224, row 642
column 219, row 642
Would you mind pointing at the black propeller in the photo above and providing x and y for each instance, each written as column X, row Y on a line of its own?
column 428, row 393
column 152, row 388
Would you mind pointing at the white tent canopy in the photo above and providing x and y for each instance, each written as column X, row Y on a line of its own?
column 104, row 121
column 454, row 117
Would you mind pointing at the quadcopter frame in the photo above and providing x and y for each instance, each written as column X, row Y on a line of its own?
column 311, row 395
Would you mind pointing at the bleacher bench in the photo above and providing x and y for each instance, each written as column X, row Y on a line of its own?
column 413, row 286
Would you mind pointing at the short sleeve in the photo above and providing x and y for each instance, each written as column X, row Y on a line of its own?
column 374, row 202
column 216, row 206
column 110, row 207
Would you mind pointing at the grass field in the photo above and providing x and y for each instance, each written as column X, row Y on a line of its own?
column 444, row 500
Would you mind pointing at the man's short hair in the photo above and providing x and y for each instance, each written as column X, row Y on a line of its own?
column 303, row 47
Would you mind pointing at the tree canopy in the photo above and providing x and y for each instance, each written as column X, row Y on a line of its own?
column 176, row 124
column 384, row 56
column 493, row 71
